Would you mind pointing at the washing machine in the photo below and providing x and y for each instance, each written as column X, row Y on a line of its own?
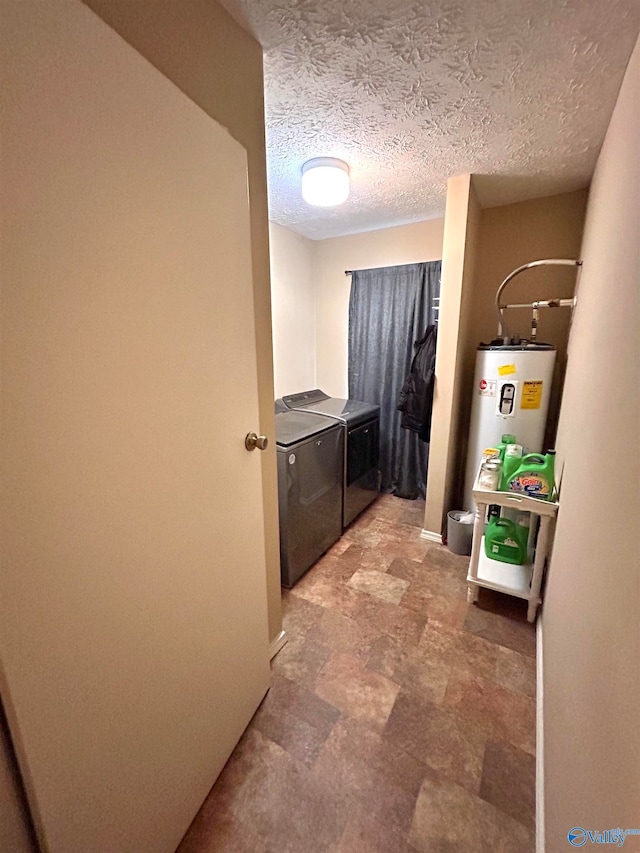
column 310, row 455
column 361, row 426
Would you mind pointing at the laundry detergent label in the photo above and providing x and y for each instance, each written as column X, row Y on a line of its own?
column 531, row 485
column 506, row 543
column 531, row 394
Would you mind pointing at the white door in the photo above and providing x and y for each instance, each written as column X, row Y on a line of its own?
column 133, row 617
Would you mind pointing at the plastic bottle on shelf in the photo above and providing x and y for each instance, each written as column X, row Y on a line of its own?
column 506, row 541
column 507, row 439
column 490, row 453
column 535, row 476
column 512, row 461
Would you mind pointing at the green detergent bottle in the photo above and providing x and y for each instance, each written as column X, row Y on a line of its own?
column 507, row 439
column 535, row 476
column 512, row 461
column 506, row 541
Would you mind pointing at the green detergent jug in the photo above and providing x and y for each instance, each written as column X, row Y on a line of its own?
column 512, row 461
column 507, row 439
column 535, row 476
column 506, row 541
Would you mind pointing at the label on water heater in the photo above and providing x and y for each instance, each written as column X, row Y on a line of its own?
column 531, row 394
column 506, row 370
column 487, row 387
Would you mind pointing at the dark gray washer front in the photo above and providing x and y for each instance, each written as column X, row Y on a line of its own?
column 310, row 451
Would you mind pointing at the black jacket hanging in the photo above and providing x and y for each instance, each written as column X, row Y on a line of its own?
column 416, row 397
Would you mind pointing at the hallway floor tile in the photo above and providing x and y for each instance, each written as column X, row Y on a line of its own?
column 400, row 718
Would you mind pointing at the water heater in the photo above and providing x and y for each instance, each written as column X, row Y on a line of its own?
column 511, row 391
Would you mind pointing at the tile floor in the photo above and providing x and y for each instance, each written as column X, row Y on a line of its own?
column 400, row 718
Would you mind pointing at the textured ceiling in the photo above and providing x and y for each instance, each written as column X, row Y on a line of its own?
column 410, row 93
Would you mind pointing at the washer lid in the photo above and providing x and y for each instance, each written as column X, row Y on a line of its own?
column 347, row 411
column 295, row 426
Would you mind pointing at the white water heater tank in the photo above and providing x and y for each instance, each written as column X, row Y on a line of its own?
column 511, row 391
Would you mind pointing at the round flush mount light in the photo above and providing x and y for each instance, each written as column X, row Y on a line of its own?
column 325, row 181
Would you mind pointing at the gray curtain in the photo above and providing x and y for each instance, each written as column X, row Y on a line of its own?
column 389, row 309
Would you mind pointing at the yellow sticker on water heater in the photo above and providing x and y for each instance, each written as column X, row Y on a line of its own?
column 531, row 394
column 506, row 369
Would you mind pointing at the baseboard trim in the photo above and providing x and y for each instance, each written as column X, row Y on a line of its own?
column 277, row 644
column 430, row 536
column 540, row 834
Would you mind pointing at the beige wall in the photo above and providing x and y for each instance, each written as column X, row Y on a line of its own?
column 454, row 356
column 512, row 235
column 201, row 49
column 293, row 310
column 590, row 625
column 405, row 244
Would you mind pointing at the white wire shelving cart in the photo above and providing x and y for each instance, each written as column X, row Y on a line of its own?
column 521, row 581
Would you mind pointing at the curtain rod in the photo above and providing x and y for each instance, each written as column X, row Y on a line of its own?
column 351, row 272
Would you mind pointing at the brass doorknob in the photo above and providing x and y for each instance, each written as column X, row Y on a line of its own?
column 252, row 441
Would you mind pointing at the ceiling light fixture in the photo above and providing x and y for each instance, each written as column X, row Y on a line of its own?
column 325, row 182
